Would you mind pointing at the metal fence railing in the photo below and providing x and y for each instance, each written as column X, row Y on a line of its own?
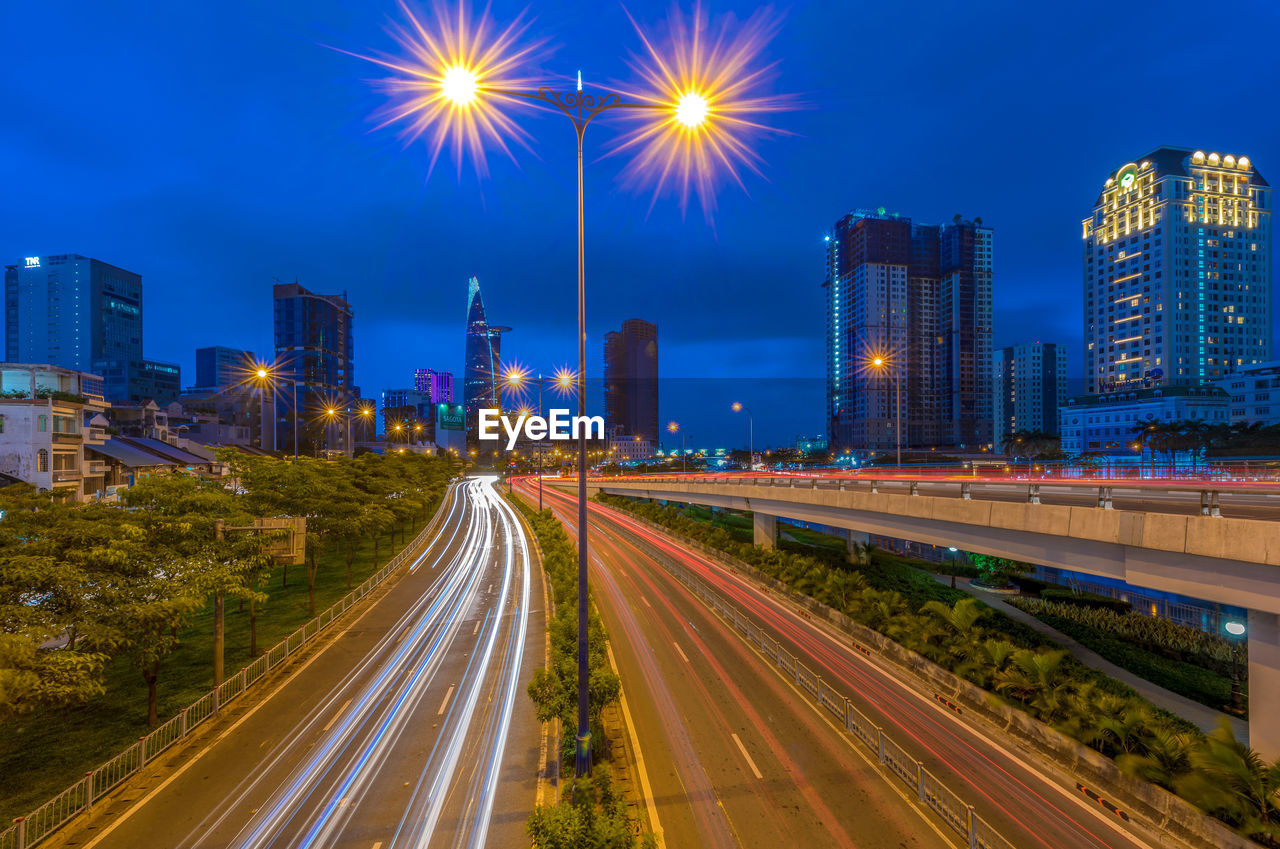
column 931, row 792
column 36, row 826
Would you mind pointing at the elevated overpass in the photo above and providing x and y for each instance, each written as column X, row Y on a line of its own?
column 1212, row 542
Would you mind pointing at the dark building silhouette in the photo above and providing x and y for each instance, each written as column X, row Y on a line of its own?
column 218, row 367
column 631, row 380
column 315, row 349
column 918, row 297
column 483, row 361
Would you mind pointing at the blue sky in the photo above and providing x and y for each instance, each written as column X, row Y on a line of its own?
column 215, row 147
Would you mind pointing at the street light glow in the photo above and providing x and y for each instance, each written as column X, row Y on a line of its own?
column 692, row 109
column 262, row 373
column 737, row 406
column 877, row 361
column 1236, row 629
column 460, row 85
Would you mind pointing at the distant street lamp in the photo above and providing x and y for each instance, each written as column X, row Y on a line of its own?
column 269, row 376
column 563, row 382
column 674, row 427
column 881, row 364
column 751, row 434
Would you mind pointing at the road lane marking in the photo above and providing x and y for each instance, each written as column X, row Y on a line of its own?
column 741, row 748
column 646, row 602
column 476, row 629
column 645, row 787
column 330, row 723
column 682, row 654
column 445, row 703
column 377, row 844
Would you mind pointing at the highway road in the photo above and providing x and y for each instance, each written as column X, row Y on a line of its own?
column 1029, row 805
column 734, row 755
column 409, row 729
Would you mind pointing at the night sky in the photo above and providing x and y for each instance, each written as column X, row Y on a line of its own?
column 215, row 147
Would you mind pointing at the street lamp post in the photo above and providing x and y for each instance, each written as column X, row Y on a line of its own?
column 674, row 427
column 881, row 363
column 1235, row 633
column 267, row 375
column 751, row 434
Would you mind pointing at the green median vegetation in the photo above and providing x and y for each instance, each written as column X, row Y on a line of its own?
column 1017, row 665
column 1183, row 660
column 107, row 612
column 590, row 812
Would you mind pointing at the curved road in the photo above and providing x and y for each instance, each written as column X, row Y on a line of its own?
column 408, row 729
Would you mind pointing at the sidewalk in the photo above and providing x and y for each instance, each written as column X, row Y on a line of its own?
column 1206, row 718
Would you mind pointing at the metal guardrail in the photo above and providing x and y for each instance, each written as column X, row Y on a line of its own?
column 36, row 826
column 930, row 791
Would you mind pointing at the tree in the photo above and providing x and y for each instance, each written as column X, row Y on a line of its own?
column 1232, row 781
column 997, row 571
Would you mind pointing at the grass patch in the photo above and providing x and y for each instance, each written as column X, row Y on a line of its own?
column 43, row 752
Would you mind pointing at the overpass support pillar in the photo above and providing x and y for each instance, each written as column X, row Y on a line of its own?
column 766, row 530
column 1264, row 684
column 856, row 541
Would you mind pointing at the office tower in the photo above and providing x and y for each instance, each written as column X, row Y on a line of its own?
column 315, row 351
column 439, row 384
column 219, row 368
column 70, row 310
column 136, row 381
column 408, row 415
column 1029, row 386
column 482, row 365
column 631, row 380
column 1177, row 271
column 908, row 329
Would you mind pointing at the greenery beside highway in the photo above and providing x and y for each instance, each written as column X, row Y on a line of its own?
column 107, row 612
column 1016, row 664
column 590, row 811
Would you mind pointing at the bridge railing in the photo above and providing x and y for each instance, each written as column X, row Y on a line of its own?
column 36, row 826
column 929, row 789
column 1101, row 494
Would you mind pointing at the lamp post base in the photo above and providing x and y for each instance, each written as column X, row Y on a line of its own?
column 582, row 761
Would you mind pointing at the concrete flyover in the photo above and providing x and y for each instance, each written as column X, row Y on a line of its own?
column 1173, row 538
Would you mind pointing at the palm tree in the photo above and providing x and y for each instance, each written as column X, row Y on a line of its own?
column 1035, row 679
column 1166, row 755
column 1231, row 780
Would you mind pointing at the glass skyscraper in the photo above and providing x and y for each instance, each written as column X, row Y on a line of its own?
column 71, row 311
column 917, row 298
column 315, row 349
column 631, row 380
column 1177, row 271
column 482, row 365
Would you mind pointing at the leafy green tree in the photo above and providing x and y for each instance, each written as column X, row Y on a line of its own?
column 593, row 815
column 1232, row 781
column 997, row 571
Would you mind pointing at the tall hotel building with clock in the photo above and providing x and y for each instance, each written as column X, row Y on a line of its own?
column 1177, row 272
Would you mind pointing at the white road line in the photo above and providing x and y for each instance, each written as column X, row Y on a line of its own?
column 377, row 844
column 754, row 769
column 445, row 703
column 334, row 719
column 682, row 654
column 476, row 629
column 646, row 602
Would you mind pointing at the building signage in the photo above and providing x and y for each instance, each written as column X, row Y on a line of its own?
column 33, row 262
column 451, row 417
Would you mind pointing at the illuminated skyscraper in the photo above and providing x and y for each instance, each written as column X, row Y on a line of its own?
column 483, row 362
column 1029, row 386
column 1177, row 271
column 631, row 379
column 438, row 384
column 315, row 350
column 917, row 296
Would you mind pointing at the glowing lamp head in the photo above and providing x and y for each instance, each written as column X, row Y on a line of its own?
column 331, row 412
column 877, row 361
column 692, row 109
column 262, row 373
column 1235, row 629
column 673, row 427
column 737, row 406
column 459, row 85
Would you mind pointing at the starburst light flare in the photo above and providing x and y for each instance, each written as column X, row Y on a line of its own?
column 449, row 83
column 706, row 84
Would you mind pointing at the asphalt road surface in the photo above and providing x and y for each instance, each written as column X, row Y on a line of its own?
column 409, row 729
column 1029, row 805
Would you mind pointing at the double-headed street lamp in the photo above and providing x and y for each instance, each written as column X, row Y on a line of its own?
column 882, row 364
column 700, row 112
column 563, row 381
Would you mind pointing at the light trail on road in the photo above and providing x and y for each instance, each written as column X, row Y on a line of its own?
column 380, row 724
column 1029, row 806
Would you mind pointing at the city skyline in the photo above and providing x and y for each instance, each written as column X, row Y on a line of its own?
column 389, row 244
